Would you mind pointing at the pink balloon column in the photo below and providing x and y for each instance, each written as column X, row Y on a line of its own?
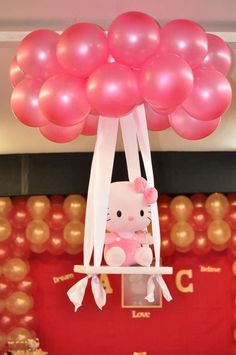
column 63, row 83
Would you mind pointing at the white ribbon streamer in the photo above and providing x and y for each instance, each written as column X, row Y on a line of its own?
column 143, row 140
column 89, row 216
column 104, row 159
column 99, row 183
column 96, row 211
column 98, row 292
column 129, row 135
column 77, row 291
column 151, row 288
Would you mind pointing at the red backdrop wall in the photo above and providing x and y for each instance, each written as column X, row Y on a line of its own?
column 40, row 241
column 194, row 323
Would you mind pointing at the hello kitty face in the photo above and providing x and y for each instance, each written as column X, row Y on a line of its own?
column 128, row 211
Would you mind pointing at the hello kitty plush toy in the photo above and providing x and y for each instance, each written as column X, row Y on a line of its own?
column 129, row 214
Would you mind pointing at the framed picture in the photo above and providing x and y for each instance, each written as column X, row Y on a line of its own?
column 134, row 291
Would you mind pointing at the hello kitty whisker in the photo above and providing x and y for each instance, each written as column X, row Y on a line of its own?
column 108, row 220
column 149, row 218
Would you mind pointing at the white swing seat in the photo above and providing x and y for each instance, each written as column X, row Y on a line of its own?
column 138, row 270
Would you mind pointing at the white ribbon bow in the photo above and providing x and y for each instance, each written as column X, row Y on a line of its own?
column 77, row 291
column 151, row 288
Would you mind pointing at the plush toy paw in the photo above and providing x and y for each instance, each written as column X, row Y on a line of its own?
column 143, row 256
column 115, row 256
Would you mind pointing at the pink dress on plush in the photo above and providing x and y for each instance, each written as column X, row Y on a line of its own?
column 129, row 242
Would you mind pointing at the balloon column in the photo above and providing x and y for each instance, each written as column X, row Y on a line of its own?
column 35, row 224
column 198, row 224
column 63, row 83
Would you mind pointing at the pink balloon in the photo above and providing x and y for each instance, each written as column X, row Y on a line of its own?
column 113, row 90
column 60, row 134
column 211, row 95
column 189, row 128
column 133, row 38
column 25, row 103
column 110, row 59
column 63, row 100
column 15, row 73
column 90, row 125
column 156, row 121
column 36, row 54
column 163, row 111
column 186, row 39
column 166, row 81
column 219, row 54
column 82, row 48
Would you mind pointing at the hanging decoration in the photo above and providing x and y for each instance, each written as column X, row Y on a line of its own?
column 86, row 72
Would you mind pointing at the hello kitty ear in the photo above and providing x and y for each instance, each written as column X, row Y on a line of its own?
column 140, row 184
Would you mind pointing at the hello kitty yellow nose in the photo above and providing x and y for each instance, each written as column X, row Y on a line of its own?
column 130, row 218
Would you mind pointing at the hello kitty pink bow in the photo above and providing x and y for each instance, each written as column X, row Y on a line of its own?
column 150, row 193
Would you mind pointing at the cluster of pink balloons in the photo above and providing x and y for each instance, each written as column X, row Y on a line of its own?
column 62, row 83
